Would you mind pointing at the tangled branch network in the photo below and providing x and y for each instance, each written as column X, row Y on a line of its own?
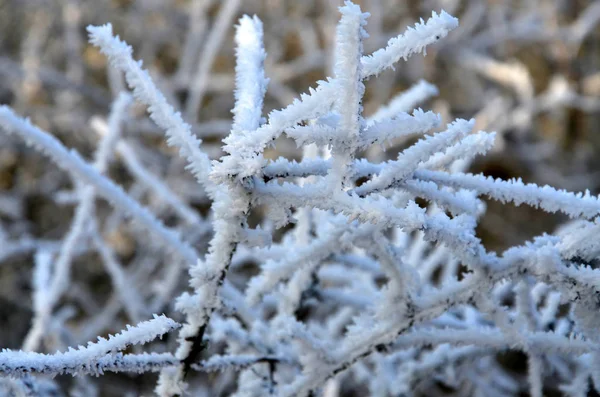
column 378, row 283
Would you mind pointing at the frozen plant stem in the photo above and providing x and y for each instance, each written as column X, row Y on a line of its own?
column 230, row 211
column 93, row 358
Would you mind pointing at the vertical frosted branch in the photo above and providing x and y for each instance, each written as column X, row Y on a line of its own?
column 250, row 80
column 349, row 89
column 230, row 210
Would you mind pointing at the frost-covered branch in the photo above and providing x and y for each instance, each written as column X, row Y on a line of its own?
column 94, row 358
column 179, row 133
column 318, row 101
column 72, row 163
column 231, row 211
column 576, row 205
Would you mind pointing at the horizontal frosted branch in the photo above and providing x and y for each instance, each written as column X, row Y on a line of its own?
column 319, row 134
column 575, row 205
column 283, row 168
column 233, row 361
column 409, row 159
column 401, row 125
column 84, row 358
column 549, row 342
column 456, row 202
column 465, row 149
column 380, row 132
column 119, row 362
column 135, row 363
column 367, row 210
column 456, row 233
column 461, row 202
